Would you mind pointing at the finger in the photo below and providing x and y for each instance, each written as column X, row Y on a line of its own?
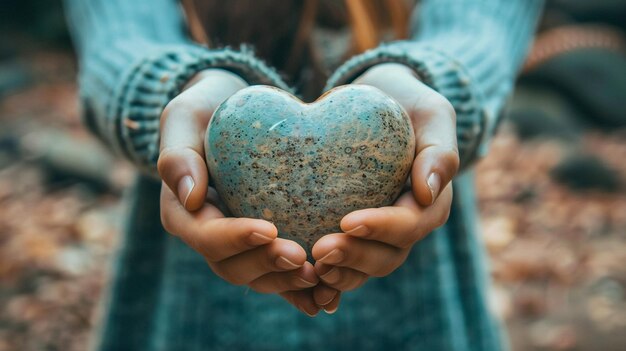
column 340, row 278
column 302, row 300
column 326, row 298
column 437, row 157
column 393, row 225
column 400, row 225
column 333, row 305
column 277, row 282
column 181, row 162
column 208, row 232
column 324, row 294
column 183, row 125
column 367, row 256
column 277, row 256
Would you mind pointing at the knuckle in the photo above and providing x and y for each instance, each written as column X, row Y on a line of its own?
column 453, row 159
column 167, row 159
column 270, row 263
column 167, row 111
column 174, row 104
column 439, row 103
column 447, row 107
column 162, row 163
column 179, row 102
column 165, row 221
column 436, row 102
column 173, row 160
column 188, row 107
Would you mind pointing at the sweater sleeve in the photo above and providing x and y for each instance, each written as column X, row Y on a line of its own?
column 134, row 57
column 469, row 51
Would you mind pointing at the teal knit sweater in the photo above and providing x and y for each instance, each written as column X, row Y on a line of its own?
column 135, row 56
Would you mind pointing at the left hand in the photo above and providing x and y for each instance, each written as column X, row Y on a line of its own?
column 377, row 241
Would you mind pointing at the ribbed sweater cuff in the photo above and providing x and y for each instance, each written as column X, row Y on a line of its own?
column 437, row 70
column 150, row 84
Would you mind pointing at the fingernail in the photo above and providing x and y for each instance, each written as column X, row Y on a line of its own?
column 312, row 315
column 284, row 263
column 359, row 231
column 185, row 186
column 329, row 300
column 303, row 283
column 257, row 239
column 333, row 257
column 306, row 312
column 331, row 311
column 433, row 182
column 332, row 277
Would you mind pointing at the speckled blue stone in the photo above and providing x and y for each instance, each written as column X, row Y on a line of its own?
column 304, row 166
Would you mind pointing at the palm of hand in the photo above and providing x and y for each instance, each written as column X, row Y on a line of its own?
column 247, row 251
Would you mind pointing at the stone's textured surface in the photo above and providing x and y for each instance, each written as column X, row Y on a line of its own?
column 304, row 166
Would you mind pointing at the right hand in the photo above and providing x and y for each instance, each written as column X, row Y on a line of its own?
column 242, row 251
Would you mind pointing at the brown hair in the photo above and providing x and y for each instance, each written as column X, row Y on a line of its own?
column 370, row 20
column 271, row 28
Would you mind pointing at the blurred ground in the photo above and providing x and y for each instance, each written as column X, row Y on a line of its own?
column 58, row 227
column 558, row 254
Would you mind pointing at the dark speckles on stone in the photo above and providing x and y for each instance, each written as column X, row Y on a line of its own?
column 350, row 150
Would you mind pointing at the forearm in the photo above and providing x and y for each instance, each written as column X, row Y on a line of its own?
column 111, row 38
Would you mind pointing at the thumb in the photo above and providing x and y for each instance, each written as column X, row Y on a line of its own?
column 433, row 168
column 183, row 170
column 181, row 162
column 437, row 157
column 184, row 121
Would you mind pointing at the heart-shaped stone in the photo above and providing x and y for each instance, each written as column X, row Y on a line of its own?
column 305, row 166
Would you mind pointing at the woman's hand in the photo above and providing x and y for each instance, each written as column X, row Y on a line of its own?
column 377, row 241
column 242, row 251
